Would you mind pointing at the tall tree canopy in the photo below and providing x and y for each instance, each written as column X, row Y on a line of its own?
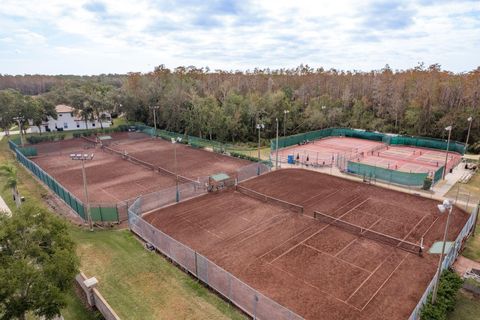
column 37, row 263
column 227, row 105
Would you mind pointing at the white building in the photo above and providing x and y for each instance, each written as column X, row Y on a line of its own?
column 68, row 119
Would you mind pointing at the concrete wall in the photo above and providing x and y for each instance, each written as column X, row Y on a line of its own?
column 95, row 299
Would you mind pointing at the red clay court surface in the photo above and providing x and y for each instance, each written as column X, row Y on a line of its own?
column 316, row 270
column 411, row 159
column 325, row 151
column 401, row 158
column 112, row 179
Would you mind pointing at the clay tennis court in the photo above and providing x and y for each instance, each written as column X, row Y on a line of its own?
column 192, row 162
column 112, row 179
column 315, row 269
column 410, row 159
column 325, row 151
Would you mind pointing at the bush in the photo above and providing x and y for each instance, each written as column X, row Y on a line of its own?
column 450, row 283
column 243, row 156
column 34, row 139
column 427, row 184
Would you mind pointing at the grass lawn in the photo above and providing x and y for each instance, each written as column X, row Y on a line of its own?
column 137, row 283
column 472, row 248
column 140, row 284
column 467, row 307
column 264, row 152
column 466, row 190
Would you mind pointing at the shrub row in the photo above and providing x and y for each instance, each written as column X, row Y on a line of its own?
column 45, row 137
column 450, row 283
column 249, row 158
column 88, row 133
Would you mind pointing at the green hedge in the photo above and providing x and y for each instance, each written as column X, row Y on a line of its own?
column 34, row 139
column 89, row 133
column 249, row 158
column 450, row 283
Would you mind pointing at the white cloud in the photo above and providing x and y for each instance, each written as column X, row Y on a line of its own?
column 103, row 36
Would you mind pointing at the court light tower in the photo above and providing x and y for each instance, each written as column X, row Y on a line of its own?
column 19, row 121
column 447, row 205
column 175, row 141
column 276, row 146
column 468, row 134
column 155, row 108
column 84, row 157
column 449, row 129
column 260, row 126
column 285, row 112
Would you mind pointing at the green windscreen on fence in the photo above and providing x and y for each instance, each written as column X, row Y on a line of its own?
column 104, row 213
column 387, row 175
column 428, row 143
column 323, row 133
column 28, row 151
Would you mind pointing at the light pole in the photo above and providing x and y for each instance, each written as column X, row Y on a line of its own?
column 468, row 134
column 155, row 108
column 276, row 146
column 19, row 121
column 260, row 126
column 449, row 129
column 85, row 157
column 323, row 109
column 175, row 141
column 285, row 112
column 446, row 205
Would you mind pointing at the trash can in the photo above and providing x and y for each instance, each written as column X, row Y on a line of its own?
column 291, row 159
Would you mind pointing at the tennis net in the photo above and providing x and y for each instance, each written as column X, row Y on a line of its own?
column 148, row 165
column 263, row 197
column 368, row 233
column 400, row 157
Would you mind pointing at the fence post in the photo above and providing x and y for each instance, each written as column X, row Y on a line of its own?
column 476, row 219
column 255, row 302
column 196, row 264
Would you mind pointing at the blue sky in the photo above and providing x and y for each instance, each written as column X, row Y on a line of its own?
column 119, row 36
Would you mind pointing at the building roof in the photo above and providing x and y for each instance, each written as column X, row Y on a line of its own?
column 61, row 108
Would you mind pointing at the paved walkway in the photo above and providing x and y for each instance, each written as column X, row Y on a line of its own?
column 463, row 265
column 442, row 188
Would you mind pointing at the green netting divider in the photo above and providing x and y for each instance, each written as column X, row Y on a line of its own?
column 431, row 143
column 438, row 174
column 387, row 175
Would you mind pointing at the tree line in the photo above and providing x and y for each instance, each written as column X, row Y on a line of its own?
column 227, row 105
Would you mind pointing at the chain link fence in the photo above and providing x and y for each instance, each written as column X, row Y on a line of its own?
column 239, row 293
column 118, row 212
column 448, row 260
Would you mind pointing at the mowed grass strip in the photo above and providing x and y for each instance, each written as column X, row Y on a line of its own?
column 140, row 284
column 137, row 283
column 472, row 248
column 467, row 307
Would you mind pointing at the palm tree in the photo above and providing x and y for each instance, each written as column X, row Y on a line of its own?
column 10, row 172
